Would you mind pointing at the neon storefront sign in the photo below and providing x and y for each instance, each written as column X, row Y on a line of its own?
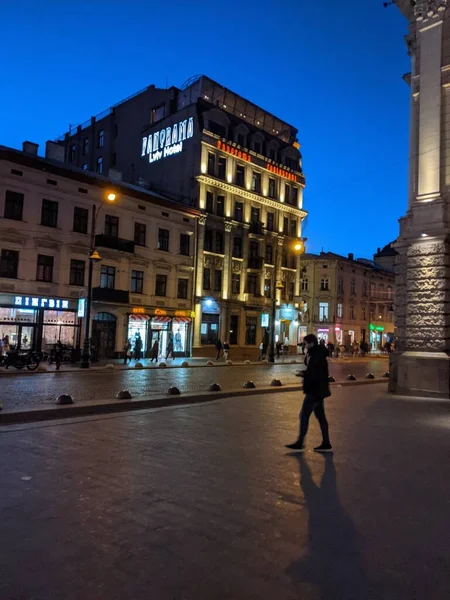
column 167, row 141
column 33, row 302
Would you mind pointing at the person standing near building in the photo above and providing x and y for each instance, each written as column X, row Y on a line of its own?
column 169, row 352
column 58, row 354
column 226, row 350
column 218, row 349
column 154, row 351
column 126, row 351
column 316, row 388
column 138, row 347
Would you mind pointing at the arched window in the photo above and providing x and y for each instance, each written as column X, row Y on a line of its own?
column 104, row 316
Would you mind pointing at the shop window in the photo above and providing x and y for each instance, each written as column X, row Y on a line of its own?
column 293, row 227
column 206, row 279
column 324, row 284
column 210, row 202
column 44, row 268
column 163, row 239
column 13, row 205
column 323, row 312
column 339, row 310
column 49, row 213
column 272, row 187
column 76, row 276
column 240, row 175
column 182, row 291
column 238, row 211
column 287, row 193
column 270, row 221
column 80, row 219
column 236, row 283
column 256, row 182
column 285, row 226
column 305, row 284
column 140, row 234
column 85, row 146
column 208, row 240
column 209, row 329
column 185, row 244
column 161, row 285
column 111, row 226
column 237, row 247
column 217, row 280
column 219, row 242
column 59, row 326
column 221, row 167
column 220, row 206
column 250, row 331
column 9, row 263
column 268, row 288
column 211, row 163
column 99, row 165
column 107, row 277
column 101, row 139
column 252, row 284
column 137, row 282
column 234, row 329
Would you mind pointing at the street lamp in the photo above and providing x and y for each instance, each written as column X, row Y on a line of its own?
column 94, row 257
column 299, row 248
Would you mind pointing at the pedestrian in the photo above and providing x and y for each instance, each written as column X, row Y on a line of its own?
column 218, row 349
column 58, row 354
column 169, row 349
column 6, row 349
column 330, row 348
column 316, row 389
column 154, row 351
column 226, row 350
column 126, row 352
column 138, row 346
column 261, row 351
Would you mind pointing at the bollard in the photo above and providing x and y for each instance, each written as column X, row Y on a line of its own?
column 370, row 376
column 293, row 361
column 247, row 362
column 249, row 385
column 64, row 400
column 184, row 363
column 110, row 366
column 123, row 395
column 331, row 379
column 209, row 363
column 351, row 378
column 162, row 365
column 229, row 362
column 173, row 391
column 214, row 387
column 138, row 365
column 276, row 383
column 386, row 374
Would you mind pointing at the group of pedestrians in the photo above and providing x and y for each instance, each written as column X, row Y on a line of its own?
column 133, row 350
column 222, row 349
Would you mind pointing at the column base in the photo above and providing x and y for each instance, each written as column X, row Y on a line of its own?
column 415, row 373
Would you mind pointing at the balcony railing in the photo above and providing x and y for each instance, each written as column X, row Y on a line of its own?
column 115, row 243
column 100, row 294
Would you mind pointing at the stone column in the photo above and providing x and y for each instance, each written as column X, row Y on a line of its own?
column 199, row 279
column 226, row 284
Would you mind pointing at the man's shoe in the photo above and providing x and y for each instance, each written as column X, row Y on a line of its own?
column 323, row 448
column 298, row 445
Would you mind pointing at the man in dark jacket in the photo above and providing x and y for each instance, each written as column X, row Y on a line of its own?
column 316, row 388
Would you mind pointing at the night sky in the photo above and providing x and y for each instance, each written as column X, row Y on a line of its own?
column 333, row 69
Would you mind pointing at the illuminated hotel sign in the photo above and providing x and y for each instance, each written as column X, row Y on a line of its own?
column 234, row 151
column 281, row 172
column 167, row 141
column 28, row 301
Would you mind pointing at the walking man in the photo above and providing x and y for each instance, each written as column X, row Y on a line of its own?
column 316, row 388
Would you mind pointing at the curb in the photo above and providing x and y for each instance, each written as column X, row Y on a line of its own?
column 112, row 405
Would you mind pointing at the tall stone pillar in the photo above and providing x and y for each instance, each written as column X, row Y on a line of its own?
column 199, row 279
column 421, row 364
column 226, row 283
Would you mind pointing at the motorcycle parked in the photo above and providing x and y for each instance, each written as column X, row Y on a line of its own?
column 19, row 360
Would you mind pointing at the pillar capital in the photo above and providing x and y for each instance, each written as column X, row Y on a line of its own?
column 228, row 226
column 425, row 10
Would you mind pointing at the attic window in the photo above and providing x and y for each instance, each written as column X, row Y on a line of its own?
column 17, row 172
column 82, row 190
column 52, row 182
column 165, row 214
column 185, row 219
column 141, row 207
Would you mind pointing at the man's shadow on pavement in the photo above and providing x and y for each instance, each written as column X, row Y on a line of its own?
column 335, row 562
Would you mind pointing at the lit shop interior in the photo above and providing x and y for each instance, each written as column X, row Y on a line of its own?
column 161, row 329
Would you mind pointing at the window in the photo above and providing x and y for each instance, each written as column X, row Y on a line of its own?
column 287, row 193
column 44, row 268
column 285, row 225
column 389, row 292
column 182, row 290
column 373, row 289
column 240, row 175
column 353, row 287
column 341, row 285
column 238, row 211
column 294, row 227
column 372, row 312
column 270, row 221
column 324, row 284
column 268, row 288
column 84, row 166
column 252, row 283
column 100, row 139
column 237, row 247
column 49, row 213
column 158, row 113
column 209, row 328
column 13, row 205
column 185, row 243
column 294, row 198
column 221, row 167
column 160, row 285
column 291, row 291
column 236, row 283
column 272, row 154
column 219, row 242
column 272, row 187
column 208, row 240
column 304, row 284
column 351, row 312
column 72, row 152
column 292, row 261
column 76, row 276
column 85, row 146
column 108, row 277
column 209, row 202
column 206, row 279
column 253, row 252
column 339, row 310
column 364, row 289
column 82, row 190
column 52, row 182
column 241, row 139
column 269, row 255
column 9, row 264
column 323, row 312
column 99, row 168
column 211, row 163
column 17, row 172
column 220, row 206
column 217, row 280
column 80, row 219
column 165, row 214
column 256, row 182
column 255, row 215
column 137, row 282
column 111, row 226
column 234, row 325
column 250, row 331
column 140, row 233
column 257, row 147
column 363, row 313
column 163, row 240
column 284, row 257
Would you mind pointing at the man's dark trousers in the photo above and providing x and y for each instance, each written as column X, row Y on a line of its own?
column 314, row 404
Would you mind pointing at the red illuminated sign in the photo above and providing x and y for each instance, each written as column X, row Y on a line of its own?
column 234, row 151
column 281, row 172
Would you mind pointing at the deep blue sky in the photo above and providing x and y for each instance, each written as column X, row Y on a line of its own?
column 331, row 68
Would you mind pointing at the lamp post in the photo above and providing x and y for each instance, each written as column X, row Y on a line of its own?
column 94, row 257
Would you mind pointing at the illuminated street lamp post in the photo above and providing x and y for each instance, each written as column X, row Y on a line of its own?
column 94, row 257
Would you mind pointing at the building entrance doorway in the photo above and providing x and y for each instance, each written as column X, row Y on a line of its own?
column 103, row 336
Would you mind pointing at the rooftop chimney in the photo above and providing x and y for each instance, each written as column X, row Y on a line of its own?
column 30, row 148
column 54, row 151
column 350, row 256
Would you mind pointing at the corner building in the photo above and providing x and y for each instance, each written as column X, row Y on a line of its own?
column 208, row 147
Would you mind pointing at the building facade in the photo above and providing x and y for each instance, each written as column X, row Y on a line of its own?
column 207, row 147
column 143, row 285
column 344, row 300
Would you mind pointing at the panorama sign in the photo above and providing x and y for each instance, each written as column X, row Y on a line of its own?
column 167, row 141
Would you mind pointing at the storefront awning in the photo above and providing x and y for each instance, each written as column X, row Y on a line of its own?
column 139, row 318
column 181, row 319
column 161, row 319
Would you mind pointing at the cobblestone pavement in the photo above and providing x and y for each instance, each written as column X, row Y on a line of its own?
column 32, row 390
column 203, row 503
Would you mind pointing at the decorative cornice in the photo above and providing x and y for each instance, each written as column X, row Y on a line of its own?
column 238, row 191
column 429, row 9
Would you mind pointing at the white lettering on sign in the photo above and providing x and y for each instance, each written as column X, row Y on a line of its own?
column 168, row 141
column 41, row 302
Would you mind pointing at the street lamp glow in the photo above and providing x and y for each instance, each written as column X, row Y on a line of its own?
column 111, row 197
column 298, row 247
